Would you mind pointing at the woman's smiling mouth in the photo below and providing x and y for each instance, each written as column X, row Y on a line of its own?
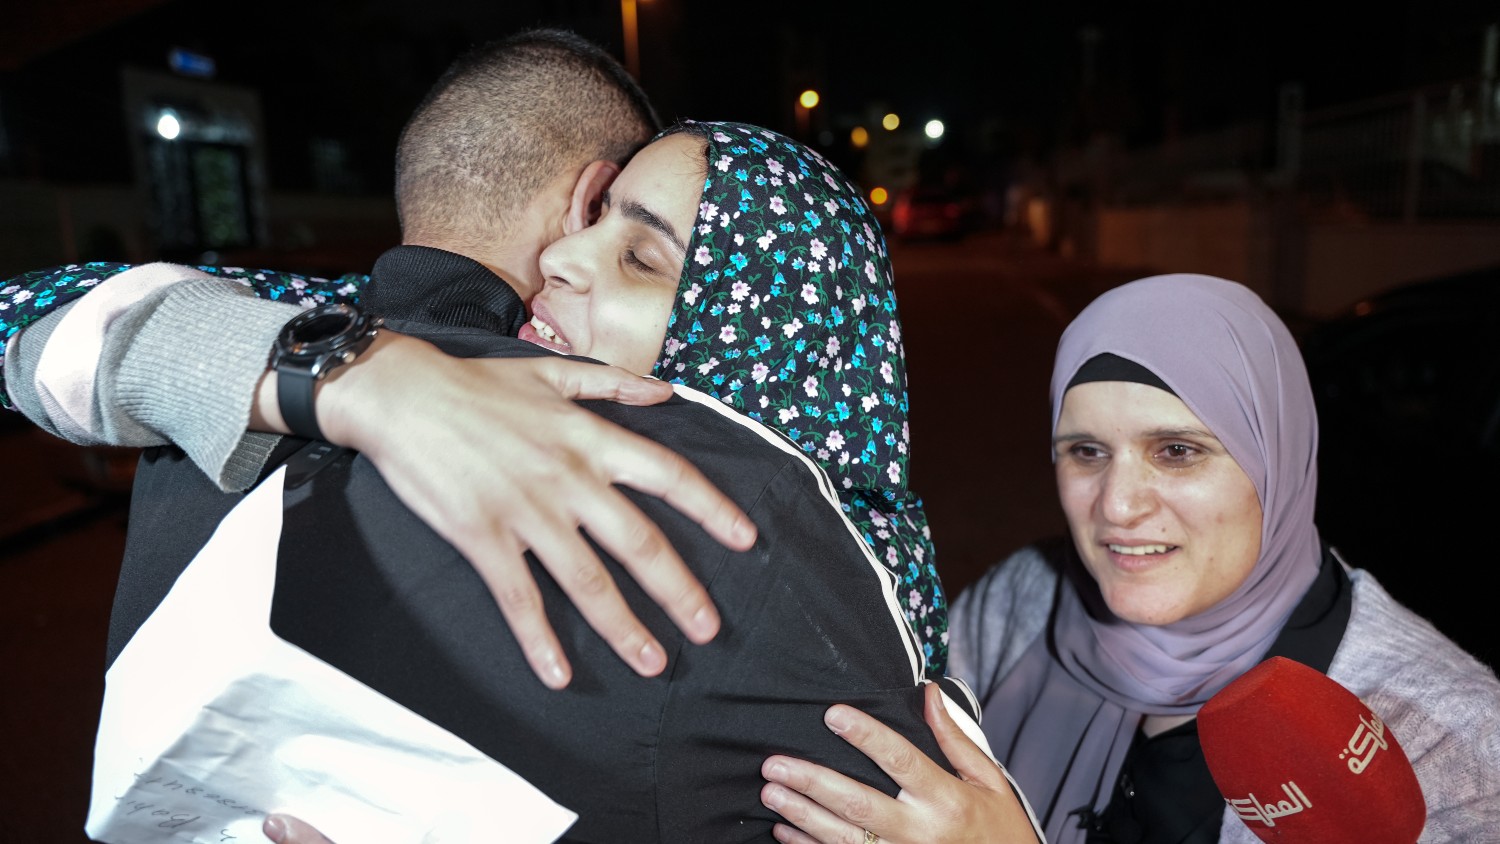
column 546, row 331
column 1140, row 550
column 540, row 332
column 1139, row 558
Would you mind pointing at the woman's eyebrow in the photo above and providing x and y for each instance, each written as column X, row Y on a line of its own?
column 641, row 214
column 1154, row 434
column 1188, row 433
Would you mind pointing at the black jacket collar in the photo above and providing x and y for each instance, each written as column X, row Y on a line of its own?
column 437, row 287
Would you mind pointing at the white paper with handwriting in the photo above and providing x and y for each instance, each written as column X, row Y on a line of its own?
column 210, row 721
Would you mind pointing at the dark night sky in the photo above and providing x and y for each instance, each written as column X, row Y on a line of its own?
column 1025, row 79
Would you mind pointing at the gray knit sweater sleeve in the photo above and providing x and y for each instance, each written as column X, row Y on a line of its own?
column 1442, row 704
column 22, row 352
column 170, row 372
column 995, row 620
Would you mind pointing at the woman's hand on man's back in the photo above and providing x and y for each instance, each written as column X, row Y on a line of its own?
column 496, row 457
column 978, row 805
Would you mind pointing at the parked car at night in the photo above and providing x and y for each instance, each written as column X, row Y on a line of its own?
column 1407, row 385
column 933, row 211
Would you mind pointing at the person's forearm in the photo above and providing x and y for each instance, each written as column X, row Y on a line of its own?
column 183, row 375
column 31, row 296
column 139, row 362
column 19, row 365
column 179, row 364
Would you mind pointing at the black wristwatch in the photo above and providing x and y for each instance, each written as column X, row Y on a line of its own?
column 312, row 344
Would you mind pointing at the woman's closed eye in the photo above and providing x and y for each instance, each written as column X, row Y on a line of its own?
column 650, row 257
column 634, row 260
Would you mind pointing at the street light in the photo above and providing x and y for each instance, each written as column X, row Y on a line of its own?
column 167, row 125
column 806, row 101
column 890, row 122
column 632, row 38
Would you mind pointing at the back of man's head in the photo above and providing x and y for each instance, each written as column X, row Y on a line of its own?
column 505, row 120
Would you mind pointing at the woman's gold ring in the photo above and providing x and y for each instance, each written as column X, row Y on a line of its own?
column 871, row 838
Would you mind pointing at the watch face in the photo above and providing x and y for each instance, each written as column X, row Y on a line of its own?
column 320, row 326
column 321, row 338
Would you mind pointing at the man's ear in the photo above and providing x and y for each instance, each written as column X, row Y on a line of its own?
column 588, row 195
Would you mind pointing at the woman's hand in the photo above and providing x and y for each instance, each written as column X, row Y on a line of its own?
column 494, row 456
column 976, row 806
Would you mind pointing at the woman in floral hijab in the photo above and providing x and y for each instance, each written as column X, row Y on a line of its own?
column 786, row 311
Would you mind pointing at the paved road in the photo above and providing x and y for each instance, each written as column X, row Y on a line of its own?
column 981, row 320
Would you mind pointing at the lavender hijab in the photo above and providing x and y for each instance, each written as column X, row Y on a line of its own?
column 1065, row 716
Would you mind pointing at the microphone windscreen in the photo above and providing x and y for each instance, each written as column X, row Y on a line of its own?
column 1299, row 758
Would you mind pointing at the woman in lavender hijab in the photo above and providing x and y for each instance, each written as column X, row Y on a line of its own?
column 1185, row 445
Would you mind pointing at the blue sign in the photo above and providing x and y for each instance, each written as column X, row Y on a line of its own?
column 189, row 63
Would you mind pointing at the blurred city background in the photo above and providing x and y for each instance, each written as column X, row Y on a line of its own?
column 1344, row 164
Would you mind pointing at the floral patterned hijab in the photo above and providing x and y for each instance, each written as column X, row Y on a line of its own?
column 786, row 312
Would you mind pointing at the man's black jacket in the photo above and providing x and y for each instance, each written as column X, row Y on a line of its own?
column 809, row 617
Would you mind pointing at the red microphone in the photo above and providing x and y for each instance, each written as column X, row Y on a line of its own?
column 1300, row 759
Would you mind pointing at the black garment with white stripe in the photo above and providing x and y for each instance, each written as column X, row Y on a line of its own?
column 810, row 619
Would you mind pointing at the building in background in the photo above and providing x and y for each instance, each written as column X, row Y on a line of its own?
column 1315, row 154
column 198, row 149
column 1316, row 201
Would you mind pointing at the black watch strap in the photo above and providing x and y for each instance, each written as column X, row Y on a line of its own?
column 294, row 393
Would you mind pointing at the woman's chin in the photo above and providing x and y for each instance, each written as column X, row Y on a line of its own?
column 1138, row 606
